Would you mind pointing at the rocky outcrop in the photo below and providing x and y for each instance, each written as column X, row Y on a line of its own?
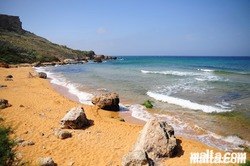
column 11, row 23
column 42, row 75
column 98, row 60
column 109, row 101
column 156, row 139
column 75, row 119
column 4, row 103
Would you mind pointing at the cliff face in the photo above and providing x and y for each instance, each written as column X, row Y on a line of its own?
column 11, row 23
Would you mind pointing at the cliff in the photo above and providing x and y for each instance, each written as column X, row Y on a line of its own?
column 20, row 46
column 11, row 23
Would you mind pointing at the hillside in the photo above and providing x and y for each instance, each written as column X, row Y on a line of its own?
column 20, row 46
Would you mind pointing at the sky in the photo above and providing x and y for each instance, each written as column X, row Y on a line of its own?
column 139, row 27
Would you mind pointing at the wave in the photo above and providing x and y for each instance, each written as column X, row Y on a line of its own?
column 84, row 97
column 186, row 103
column 206, row 70
column 212, row 78
column 223, row 72
column 175, row 73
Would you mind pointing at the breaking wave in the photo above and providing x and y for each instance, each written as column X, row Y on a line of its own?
column 186, row 103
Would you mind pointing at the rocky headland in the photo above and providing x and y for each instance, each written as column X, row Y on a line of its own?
column 19, row 46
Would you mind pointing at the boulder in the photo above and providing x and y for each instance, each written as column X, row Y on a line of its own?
column 4, row 103
column 42, row 75
column 47, row 161
column 136, row 158
column 157, row 139
column 75, row 119
column 108, row 101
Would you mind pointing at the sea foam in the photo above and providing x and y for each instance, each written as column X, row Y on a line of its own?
column 57, row 79
column 185, row 103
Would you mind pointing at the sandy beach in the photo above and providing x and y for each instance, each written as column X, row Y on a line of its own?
column 36, row 109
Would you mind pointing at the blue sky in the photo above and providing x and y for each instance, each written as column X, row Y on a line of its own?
column 139, row 27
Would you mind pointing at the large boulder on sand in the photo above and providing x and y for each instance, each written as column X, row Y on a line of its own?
column 109, row 101
column 156, row 139
column 75, row 119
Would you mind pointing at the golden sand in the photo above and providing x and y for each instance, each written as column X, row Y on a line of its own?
column 37, row 108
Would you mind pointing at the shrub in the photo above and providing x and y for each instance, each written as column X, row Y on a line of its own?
column 245, row 164
column 7, row 154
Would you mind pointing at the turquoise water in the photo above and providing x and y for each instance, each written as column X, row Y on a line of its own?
column 195, row 94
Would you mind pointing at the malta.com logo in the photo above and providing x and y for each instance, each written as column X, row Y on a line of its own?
column 209, row 157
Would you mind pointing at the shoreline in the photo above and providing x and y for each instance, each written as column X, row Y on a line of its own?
column 33, row 115
column 126, row 115
column 135, row 113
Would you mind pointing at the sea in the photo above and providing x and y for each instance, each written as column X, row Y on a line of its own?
column 206, row 99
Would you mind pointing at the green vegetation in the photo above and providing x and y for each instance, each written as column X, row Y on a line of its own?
column 7, row 155
column 245, row 164
column 27, row 47
column 148, row 104
column 246, row 149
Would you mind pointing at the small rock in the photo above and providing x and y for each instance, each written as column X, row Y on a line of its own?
column 3, row 86
column 71, row 163
column 47, row 161
column 4, row 103
column 26, row 132
column 27, row 143
column 62, row 134
column 4, row 65
column 9, row 76
column 21, row 105
column 19, row 140
column 42, row 75
column 8, row 79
